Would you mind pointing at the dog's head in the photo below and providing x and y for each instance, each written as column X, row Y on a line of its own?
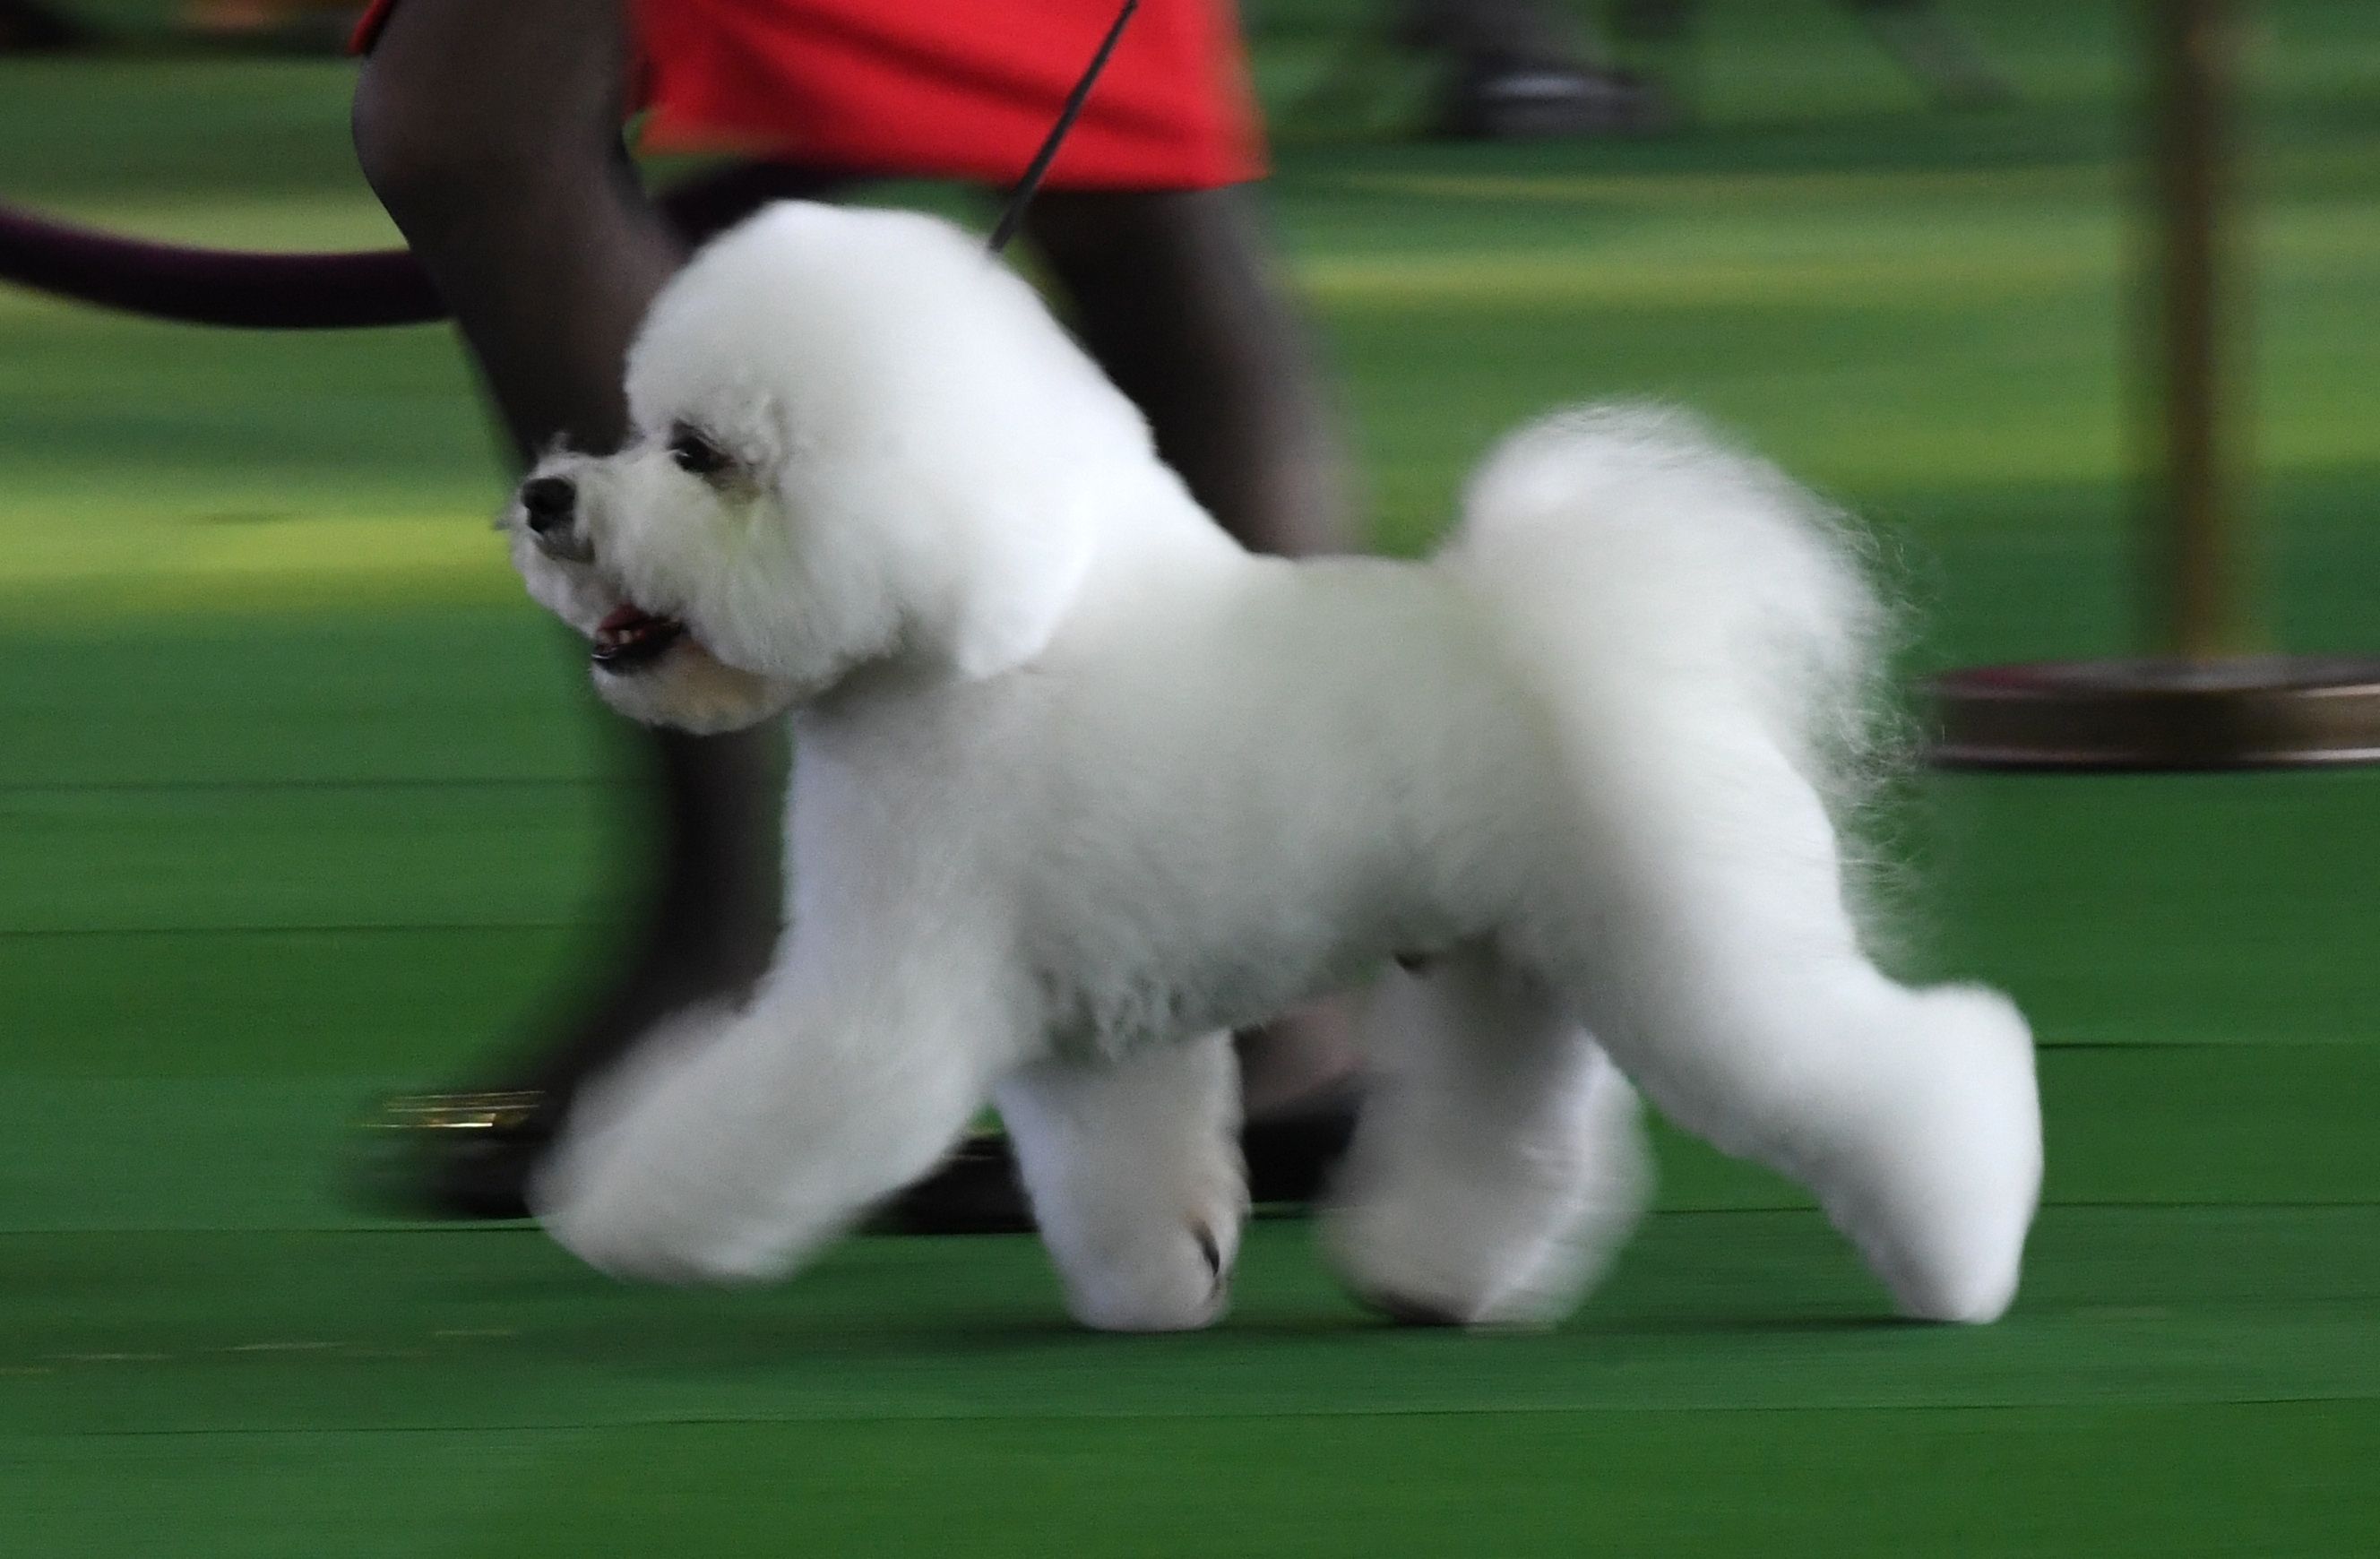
column 858, row 439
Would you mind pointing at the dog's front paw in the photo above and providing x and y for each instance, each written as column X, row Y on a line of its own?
column 646, row 1183
column 1504, row 1234
column 1140, row 1254
column 1174, row 1277
column 639, row 1218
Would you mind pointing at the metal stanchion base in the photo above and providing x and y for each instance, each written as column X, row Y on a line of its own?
column 2149, row 714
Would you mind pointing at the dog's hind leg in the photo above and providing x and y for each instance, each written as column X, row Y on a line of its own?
column 1708, row 940
column 1498, row 1161
column 731, row 1152
column 1134, row 1168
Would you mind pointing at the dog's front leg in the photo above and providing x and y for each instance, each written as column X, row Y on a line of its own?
column 1134, row 1168
column 735, row 1147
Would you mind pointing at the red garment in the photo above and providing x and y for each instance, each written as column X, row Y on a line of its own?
column 953, row 88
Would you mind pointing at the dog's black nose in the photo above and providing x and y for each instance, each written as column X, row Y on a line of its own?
column 548, row 500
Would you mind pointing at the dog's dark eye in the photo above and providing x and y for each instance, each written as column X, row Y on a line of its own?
column 696, row 454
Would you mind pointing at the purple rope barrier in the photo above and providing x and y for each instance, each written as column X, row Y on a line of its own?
column 296, row 292
column 251, row 290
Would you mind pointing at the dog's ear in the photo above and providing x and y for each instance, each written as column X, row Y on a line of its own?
column 1016, row 580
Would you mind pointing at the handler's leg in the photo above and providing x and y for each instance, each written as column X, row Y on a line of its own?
column 491, row 132
column 1178, row 296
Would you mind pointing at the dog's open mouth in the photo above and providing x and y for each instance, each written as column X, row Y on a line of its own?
column 632, row 638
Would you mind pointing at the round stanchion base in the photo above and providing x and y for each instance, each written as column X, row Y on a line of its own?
column 2152, row 715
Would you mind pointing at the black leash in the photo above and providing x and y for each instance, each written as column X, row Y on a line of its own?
column 1009, row 219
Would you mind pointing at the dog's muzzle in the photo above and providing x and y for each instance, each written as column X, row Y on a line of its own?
column 630, row 638
column 550, row 508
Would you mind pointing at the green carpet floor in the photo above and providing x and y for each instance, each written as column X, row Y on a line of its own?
column 299, row 802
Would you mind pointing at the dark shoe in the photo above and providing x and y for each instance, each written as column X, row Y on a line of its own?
column 1291, row 1154
column 470, row 1156
column 1503, row 97
column 455, row 1155
column 975, row 1191
column 29, row 28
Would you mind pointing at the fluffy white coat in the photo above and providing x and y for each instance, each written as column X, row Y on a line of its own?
column 1080, row 785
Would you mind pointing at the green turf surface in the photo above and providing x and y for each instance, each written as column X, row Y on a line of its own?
column 297, row 800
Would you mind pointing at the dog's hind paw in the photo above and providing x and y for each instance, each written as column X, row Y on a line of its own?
column 1940, row 1190
column 1495, row 1241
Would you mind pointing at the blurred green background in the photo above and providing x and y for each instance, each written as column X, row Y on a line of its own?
column 300, row 800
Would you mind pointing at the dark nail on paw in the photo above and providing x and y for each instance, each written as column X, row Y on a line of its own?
column 1210, row 1249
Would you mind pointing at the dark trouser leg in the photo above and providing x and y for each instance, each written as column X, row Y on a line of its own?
column 1176, row 294
column 28, row 27
column 490, row 131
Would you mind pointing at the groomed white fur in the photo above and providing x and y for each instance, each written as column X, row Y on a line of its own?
column 1080, row 784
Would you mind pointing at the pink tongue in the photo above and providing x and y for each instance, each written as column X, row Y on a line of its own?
column 623, row 618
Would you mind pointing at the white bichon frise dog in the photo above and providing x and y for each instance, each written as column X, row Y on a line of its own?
column 1080, row 786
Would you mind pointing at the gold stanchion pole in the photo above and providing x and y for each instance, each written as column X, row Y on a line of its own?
column 2204, row 700
column 2196, row 557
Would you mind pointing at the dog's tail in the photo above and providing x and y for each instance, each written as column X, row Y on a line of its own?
column 1634, row 554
